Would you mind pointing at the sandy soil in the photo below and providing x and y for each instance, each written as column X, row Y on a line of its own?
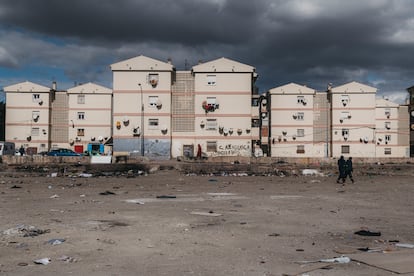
column 216, row 225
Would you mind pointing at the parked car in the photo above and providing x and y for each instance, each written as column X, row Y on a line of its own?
column 62, row 152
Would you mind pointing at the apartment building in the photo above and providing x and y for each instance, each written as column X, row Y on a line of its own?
column 89, row 116
column 142, row 107
column 411, row 120
column 28, row 116
column 292, row 122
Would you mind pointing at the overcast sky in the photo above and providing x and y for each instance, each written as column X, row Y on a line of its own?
column 309, row 42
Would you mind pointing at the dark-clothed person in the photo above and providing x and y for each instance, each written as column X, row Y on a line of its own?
column 349, row 169
column 341, row 169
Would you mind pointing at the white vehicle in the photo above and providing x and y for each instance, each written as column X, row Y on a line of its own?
column 7, row 148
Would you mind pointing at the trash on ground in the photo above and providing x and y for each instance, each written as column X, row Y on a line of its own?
column 53, row 174
column 341, row 260
column 212, row 180
column 15, row 187
column 67, row 259
column 22, row 264
column 310, row 172
column 209, row 214
column 54, row 196
column 43, row 261
column 107, row 193
column 367, row 233
column 166, row 196
column 274, row 235
column 404, row 245
column 56, row 241
column 85, row 175
column 25, row 231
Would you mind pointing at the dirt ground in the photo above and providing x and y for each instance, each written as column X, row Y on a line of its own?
column 173, row 223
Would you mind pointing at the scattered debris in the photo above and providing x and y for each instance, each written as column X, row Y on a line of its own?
column 15, row 187
column 341, row 260
column 54, row 196
column 25, row 231
column 166, row 196
column 274, row 235
column 209, row 214
column 367, row 233
column 311, row 172
column 56, row 241
column 404, row 245
column 67, row 259
column 43, row 261
column 53, row 174
column 107, row 193
column 22, row 264
column 87, row 175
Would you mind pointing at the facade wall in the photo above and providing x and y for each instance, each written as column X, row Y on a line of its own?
column 27, row 116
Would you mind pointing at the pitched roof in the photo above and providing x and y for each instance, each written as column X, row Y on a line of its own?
column 354, row 87
column 26, row 86
column 142, row 63
column 89, row 88
column 223, row 65
column 292, row 88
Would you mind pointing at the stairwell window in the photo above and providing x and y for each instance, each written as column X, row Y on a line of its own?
column 211, row 80
column 153, row 123
column 300, row 132
column 35, row 131
column 211, row 124
column 300, row 116
column 300, row 149
column 345, row 149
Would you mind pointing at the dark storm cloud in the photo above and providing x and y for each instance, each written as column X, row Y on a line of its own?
column 310, row 42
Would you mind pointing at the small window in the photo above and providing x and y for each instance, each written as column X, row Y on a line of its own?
column 81, row 115
column 344, row 100
column 300, row 116
column 255, row 102
column 345, row 149
column 81, row 132
column 387, row 138
column 153, row 101
column 300, row 149
column 211, row 124
column 255, row 123
column 211, row 146
column 35, row 131
column 35, row 98
column 211, row 79
column 153, row 123
column 153, row 79
column 81, row 99
column 300, row 132
column 35, row 116
column 301, row 100
column 387, row 151
column 345, row 132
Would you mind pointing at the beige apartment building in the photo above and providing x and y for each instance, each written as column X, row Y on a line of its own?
column 89, row 116
column 28, row 116
column 163, row 113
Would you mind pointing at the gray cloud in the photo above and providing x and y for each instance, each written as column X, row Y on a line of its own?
column 311, row 42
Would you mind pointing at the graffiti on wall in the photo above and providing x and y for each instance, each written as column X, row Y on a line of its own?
column 233, row 150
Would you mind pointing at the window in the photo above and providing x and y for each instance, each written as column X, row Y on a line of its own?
column 211, row 146
column 345, row 149
column 153, row 79
column 300, row 132
column 81, row 115
column 211, row 79
column 211, row 124
column 35, row 115
column 255, row 102
column 153, row 101
column 300, row 116
column 345, row 133
column 301, row 100
column 153, row 123
column 387, row 112
column 81, row 132
column 388, row 125
column 387, row 138
column 81, row 99
column 35, row 98
column 300, row 149
column 344, row 100
column 35, row 131
column 387, row 151
column 255, row 123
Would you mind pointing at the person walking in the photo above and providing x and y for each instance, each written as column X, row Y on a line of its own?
column 349, row 169
column 22, row 151
column 341, row 169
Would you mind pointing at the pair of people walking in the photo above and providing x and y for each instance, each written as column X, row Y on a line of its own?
column 345, row 169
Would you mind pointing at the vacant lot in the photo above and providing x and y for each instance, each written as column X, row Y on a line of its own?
column 172, row 223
